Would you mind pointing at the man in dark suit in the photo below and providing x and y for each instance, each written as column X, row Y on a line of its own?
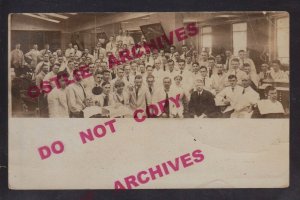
column 202, row 104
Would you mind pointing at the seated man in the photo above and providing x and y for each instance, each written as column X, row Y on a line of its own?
column 277, row 74
column 202, row 102
column 229, row 96
column 247, row 101
column 269, row 108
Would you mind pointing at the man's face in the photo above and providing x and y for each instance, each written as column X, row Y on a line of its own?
column 203, row 72
column 195, row 68
column 275, row 66
column 232, row 82
column 177, row 56
column 218, row 58
column 75, row 47
column 120, row 88
column 98, row 78
column 45, row 69
column 18, row 46
column 52, row 60
column 235, row 64
column 228, row 53
column 103, row 66
column 264, row 67
column 60, row 59
column 184, row 49
column 181, row 65
column 47, row 47
column 46, row 57
column 245, row 82
column 55, row 69
column 157, row 64
column 161, row 52
column 92, row 68
column 220, row 67
column 106, row 89
column 120, row 73
column 272, row 94
column 133, row 67
column 106, row 76
column 211, row 63
column 35, row 46
column 86, row 51
column 204, row 56
column 111, row 38
column 177, row 80
column 101, row 56
column 155, row 56
column 149, row 70
column 172, row 49
column 127, row 69
column 71, row 65
column 171, row 66
column 199, row 85
column 167, row 83
column 70, row 45
column 138, row 82
column 62, row 82
column 247, row 69
column 188, row 59
column 142, row 69
column 150, row 81
column 242, row 54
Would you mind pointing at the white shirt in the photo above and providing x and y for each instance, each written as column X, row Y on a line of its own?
column 57, row 103
column 230, row 94
column 266, row 106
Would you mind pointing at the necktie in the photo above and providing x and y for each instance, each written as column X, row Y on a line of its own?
column 84, row 94
column 167, row 105
column 136, row 93
column 181, row 72
column 232, row 89
column 105, row 103
column 127, row 78
column 204, row 81
column 150, row 90
column 227, row 63
column 243, row 91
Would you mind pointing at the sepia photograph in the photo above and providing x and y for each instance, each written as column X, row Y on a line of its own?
column 149, row 100
column 154, row 65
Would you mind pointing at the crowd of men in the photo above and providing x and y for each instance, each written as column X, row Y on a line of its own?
column 209, row 86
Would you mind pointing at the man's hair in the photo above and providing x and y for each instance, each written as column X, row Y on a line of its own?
column 105, row 71
column 241, row 51
column 181, row 60
column 203, row 67
column 195, row 63
column 105, row 83
column 232, row 76
column 149, row 66
column 211, row 58
column 276, row 62
column 119, row 83
column 167, row 78
column 269, row 88
column 170, row 60
column 246, row 65
column 172, row 46
column 61, row 74
column 149, row 76
column 235, row 60
column 138, row 77
column 97, row 72
column 70, row 61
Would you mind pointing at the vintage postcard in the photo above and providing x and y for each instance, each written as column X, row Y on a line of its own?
column 149, row 100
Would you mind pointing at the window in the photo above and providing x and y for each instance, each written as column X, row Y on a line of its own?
column 282, row 40
column 206, row 38
column 239, row 37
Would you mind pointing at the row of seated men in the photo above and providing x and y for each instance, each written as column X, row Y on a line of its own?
column 233, row 99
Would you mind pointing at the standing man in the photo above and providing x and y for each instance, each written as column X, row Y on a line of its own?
column 33, row 55
column 228, row 58
column 139, row 95
column 69, row 51
column 17, row 57
column 57, row 99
